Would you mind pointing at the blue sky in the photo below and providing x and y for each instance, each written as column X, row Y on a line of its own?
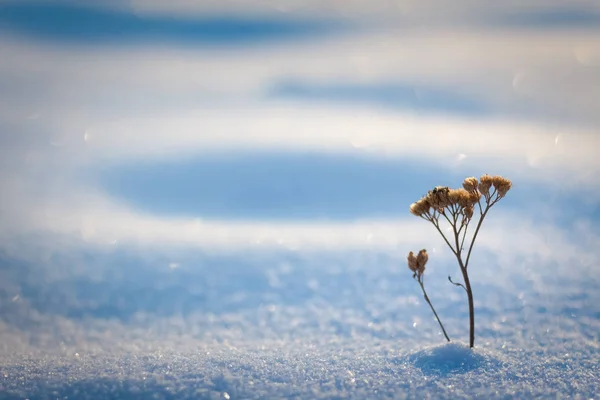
column 131, row 122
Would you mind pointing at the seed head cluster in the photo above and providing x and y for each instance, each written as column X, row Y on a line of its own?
column 417, row 263
column 466, row 197
column 501, row 184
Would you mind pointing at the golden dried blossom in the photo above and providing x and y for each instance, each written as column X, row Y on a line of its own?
column 455, row 195
column 412, row 262
column 501, row 184
column 470, row 184
column 422, row 259
column 460, row 197
column 424, row 205
column 414, row 209
column 420, row 207
column 474, row 197
column 438, row 197
column 485, row 182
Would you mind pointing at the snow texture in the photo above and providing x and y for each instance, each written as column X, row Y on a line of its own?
column 209, row 199
column 292, row 325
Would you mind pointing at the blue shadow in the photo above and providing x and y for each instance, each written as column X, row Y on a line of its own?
column 126, row 284
column 284, row 186
column 84, row 24
column 573, row 18
column 267, row 186
column 393, row 95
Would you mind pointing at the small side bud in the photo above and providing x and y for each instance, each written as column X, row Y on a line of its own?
column 468, row 210
column 422, row 259
column 412, row 262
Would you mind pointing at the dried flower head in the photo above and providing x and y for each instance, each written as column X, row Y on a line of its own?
column 414, row 209
column 438, row 197
column 460, row 197
column 485, row 182
column 470, row 184
column 412, row 262
column 474, row 197
column 422, row 259
column 501, row 184
column 420, row 207
column 455, row 195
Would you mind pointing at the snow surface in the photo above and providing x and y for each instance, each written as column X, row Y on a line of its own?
column 292, row 325
column 196, row 207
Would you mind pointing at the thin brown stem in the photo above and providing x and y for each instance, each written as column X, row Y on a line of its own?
column 468, row 289
column 437, row 226
column 432, row 309
column 465, row 275
column 462, row 242
column 481, row 218
column 463, row 270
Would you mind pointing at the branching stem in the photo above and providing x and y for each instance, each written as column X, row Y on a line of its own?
column 456, row 283
column 456, row 206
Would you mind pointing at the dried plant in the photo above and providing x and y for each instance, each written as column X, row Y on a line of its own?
column 417, row 265
column 457, row 207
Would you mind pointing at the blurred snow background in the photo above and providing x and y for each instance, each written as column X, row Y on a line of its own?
column 210, row 199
